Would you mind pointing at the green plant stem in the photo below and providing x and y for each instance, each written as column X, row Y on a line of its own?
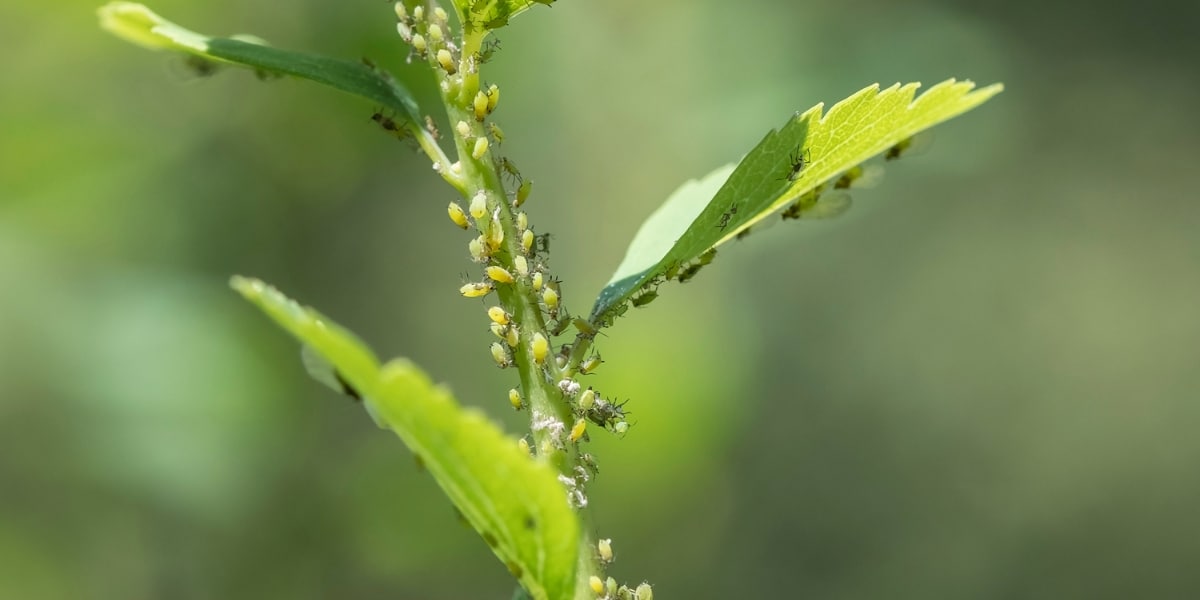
column 545, row 401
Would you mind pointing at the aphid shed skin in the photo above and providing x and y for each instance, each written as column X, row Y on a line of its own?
column 644, row 592
column 799, row 161
column 479, row 205
column 521, row 265
column 605, row 548
column 463, row 129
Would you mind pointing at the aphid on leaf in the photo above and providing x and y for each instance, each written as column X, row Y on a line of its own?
column 798, row 161
column 644, row 298
column 917, row 144
column 726, row 216
column 323, row 371
column 859, row 177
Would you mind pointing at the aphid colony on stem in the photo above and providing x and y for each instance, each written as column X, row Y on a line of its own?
column 513, row 263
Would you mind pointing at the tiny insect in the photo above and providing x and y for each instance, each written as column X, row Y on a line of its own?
column 726, row 216
column 510, row 169
column 798, row 162
column 644, row 298
column 486, row 51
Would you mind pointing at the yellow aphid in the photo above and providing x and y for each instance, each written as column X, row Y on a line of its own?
column 541, row 348
column 521, row 265
column 481, row 147
column 401, row 12
column 481, row 99
column 479, row 205
column 463, row 129
column 475, row 290
column 498, row 315
column 456, row 167
column 605, row 548
column 527, row 241
column 587, row 399
column 419, row 12
column 439, row 14
column 610, row 584
column 537, row 280
column 550, row 297
column 435, row 34
column 493, row 96
column 514, row 397
column 596, row 584
column 522, row 221
column 500, row 355
column 418, row 41
column 457, row 215
column 523, row 193
column 475, row 246
column 512, row 336
column 499, row 330
column 499, row 274
column 523, row 444
column 446, row 61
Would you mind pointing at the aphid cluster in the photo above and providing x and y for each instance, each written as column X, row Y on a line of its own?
column 609, row 590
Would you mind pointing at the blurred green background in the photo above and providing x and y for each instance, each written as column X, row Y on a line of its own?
column 981, row 383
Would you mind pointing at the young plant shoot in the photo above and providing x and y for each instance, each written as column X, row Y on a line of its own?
column 528, row 498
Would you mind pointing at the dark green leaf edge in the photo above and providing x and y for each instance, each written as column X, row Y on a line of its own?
column 136, row 23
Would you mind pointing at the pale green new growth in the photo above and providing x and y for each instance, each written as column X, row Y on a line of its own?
column 514, row 501
column 855, row 129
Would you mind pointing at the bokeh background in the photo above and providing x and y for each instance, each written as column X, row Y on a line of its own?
column 981, row 383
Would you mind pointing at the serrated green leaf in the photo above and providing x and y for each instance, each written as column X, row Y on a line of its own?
column 515, row 502
column 492, row 14
column 135, row 23
column 693, row 220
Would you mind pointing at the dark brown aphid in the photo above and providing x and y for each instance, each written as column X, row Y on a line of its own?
column 726, row 216
column 799, row 161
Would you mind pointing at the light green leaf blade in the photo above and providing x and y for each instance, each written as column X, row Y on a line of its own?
column 515, row 502
column 694, row 220
column 135, row 23
column 486, row 15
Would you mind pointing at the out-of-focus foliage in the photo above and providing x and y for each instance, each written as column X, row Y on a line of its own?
column 978, row 383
